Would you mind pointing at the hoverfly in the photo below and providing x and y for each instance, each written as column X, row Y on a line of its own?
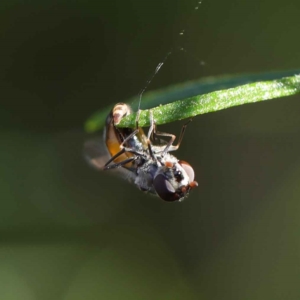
column 145, row 160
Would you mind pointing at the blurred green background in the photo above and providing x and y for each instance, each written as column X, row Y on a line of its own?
column 68, row 232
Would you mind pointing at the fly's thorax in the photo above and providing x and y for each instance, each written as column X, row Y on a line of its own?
column 145, row 171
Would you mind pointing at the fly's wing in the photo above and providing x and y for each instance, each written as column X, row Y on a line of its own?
column 96, row 155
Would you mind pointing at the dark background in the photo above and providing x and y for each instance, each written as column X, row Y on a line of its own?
column 68, row 232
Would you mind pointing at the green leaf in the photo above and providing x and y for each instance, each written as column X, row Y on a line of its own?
column 206, row 95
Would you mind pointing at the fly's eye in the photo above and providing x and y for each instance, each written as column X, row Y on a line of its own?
column 188, row 169
column 164, row 188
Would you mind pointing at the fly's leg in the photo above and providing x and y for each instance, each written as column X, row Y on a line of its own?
column 122, row 151
column 152, row 125
column 170, row 146
column 123, row 148
column 131, row 135
column 138, row 131
column 119, row 164
column 138, row 113
column 150, row 131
